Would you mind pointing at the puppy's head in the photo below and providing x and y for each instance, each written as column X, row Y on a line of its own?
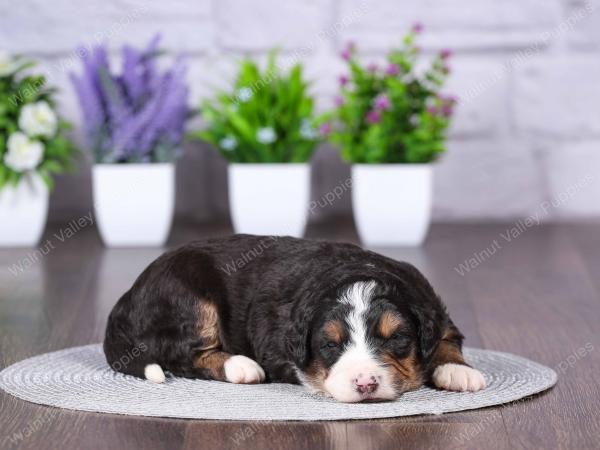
column 363, row 347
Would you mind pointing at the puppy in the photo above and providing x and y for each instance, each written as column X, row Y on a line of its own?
column 343, row 321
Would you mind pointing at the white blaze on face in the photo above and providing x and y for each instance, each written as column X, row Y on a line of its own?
column 358, row 364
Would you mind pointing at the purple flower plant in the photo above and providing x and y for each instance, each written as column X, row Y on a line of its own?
column 395, row 108
column 138, row 115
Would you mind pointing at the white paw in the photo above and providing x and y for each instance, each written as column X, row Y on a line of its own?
column 456, row 377
column 240, row 369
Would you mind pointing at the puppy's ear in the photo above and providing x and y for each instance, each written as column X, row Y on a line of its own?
column 429, row 328
column 298, row 335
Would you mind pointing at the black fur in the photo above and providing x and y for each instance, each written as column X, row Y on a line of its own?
column 272, row 293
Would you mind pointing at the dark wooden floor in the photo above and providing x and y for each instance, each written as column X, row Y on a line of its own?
column 537, row 296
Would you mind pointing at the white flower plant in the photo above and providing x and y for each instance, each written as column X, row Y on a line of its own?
column 31, row 134
column 268, row 118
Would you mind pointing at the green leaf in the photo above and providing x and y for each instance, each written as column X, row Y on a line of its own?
column 51, row 166
column 47, row 178
column 3, row 175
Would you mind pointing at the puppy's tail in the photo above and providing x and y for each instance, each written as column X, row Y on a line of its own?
column 154, row 373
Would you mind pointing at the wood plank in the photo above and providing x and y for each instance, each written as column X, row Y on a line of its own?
column 262, row 435
column 534, row 298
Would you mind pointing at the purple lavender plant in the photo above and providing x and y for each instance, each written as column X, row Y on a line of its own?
column 138, row 115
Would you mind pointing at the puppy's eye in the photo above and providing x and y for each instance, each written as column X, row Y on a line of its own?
column 331, row 344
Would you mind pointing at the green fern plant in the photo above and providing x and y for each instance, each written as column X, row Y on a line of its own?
column 268, row 118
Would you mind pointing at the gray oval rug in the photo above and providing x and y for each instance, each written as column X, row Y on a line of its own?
column 79, row 378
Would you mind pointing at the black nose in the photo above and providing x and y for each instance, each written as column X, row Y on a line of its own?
column 365, row 384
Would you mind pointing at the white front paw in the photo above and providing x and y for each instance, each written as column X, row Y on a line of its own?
column 240, row 369
column 456, row 377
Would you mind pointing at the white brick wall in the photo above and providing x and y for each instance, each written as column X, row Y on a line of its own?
column 527, row 72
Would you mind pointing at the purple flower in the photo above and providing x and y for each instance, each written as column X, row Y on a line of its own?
column 137, row 116
column 338, row 101
column 450, row 99
column 448, row 102
column 447, row 109
column 373, row 116
column 382, row 102
column 417, row 27
column 445, row 53
column 325, row 129
column 346, row 54
column 432, row 110
column 392, row 70
column 372, row 68
column 343, row 79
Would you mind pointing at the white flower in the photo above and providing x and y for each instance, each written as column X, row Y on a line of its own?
column 38, row 119
column 266, row 135
column 244, row 94
column 228, row 143
column 306, row 130
column 414, row 120
column 23, row 153
column 7, row 64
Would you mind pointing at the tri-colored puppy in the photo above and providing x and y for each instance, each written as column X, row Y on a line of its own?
column 338, row 319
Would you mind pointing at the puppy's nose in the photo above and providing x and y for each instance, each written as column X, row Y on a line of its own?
column 365, row 384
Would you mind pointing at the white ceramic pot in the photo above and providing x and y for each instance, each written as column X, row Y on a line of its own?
column 392, row 203
column 269, row 198
column 134, row 203
column 23, row 212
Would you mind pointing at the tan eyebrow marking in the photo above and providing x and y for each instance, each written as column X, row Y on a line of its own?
column 335, row 331
column 388, row 324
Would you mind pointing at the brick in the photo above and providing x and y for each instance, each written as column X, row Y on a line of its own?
column 470, row 24
column 209, row 74
column 558, row 97
column 263, row 24
column 582, row 24
column 57, row 72
column 72, row 24
column 487, row 179
column 573, row 179
column 173, row 8
column 322, row 69
column 481, row 86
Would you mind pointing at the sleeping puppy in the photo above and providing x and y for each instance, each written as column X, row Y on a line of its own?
column 343, row 321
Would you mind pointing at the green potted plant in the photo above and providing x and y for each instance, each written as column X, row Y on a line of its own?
column 390, row 123
column 265, row 129
column 32, row 148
